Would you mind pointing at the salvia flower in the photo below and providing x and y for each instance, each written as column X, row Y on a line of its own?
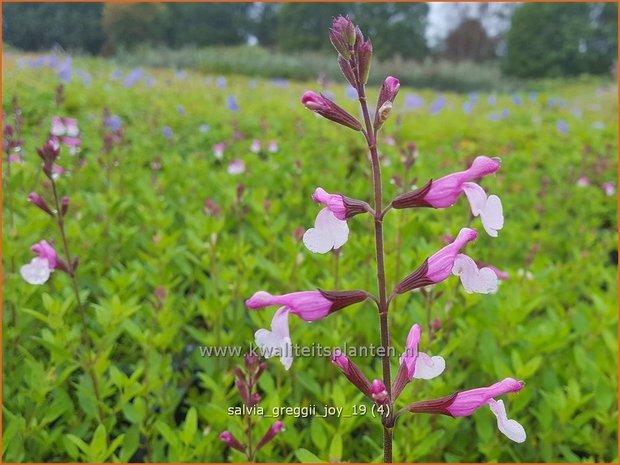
column 609, row 188
column 39, row 269
column 272, row 147
column 236, row 167
column 439, row 266
column 445, row 191
column 308, row 305
column 218, row 150
column 415, row 364
column 277, row 342
column 327, row 109
column 328, row 233
column 255, row 146
column 341, row 206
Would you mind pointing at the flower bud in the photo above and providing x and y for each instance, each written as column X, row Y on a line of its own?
column 363, row 52
column 64, row 205
column 378, row 392
column 342, row 36
column 277, row 427
column 383, row 114
column 227, row 438
column 347, row 71
column 37, row 200
column 328, row 109
column 352, row 372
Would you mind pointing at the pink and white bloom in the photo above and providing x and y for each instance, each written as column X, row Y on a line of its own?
column 255, row 147
column 608, row 188
column 276, row 428
column 467, row 402
column 230, row 440
column 236, row 167
column 443, row 263
column 328, row 233
column 272, row 147
column 71, row 127
column 307, row 305
column 378, row 392
column 39, row 269
column 218, row 150
column 58, row 127
column 445, row 191
column 583, row 181
column 277, row 342
column 480, row 281
column 420, row 365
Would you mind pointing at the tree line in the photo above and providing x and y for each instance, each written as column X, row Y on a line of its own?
column 541, row 40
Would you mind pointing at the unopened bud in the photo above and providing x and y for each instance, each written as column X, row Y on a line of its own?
column 227, row 438
column 64, row 205
column 378, row 392
column 277, row 427
column 328, row 109
column 37, row 200
column 383, row 114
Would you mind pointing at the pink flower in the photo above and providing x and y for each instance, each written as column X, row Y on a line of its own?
column 388, row 93
column 448, row 261
column 414, row 364
column 236, row 167
column 583, row 181
column 272, row 147
column 255, row 147
column 71, row 126
column 333, row 202
column 462, row 404
column 608, row 188
column 15, row 158
column 39, row 269
column 445, row 191
column 218, row 150
column 307, row 305
column 441, row 263
column 58, row 127
column 467, row 402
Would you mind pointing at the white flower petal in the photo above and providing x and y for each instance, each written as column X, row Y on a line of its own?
column 511, row 428
column 37, row 271
column 483, row 281
column 276, row 343
column 427, row 367
column 328, row 233
column 476, row 196
column 492, row 216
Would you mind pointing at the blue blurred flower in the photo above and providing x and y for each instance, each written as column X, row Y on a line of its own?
column 231, row 103
column 134, row 76
column 438, row 104
column 167, row 132
column 204, row 128
column 221, row 82
column 413, row 102
column 351, row 92
column 562, row 126
column 113, row 122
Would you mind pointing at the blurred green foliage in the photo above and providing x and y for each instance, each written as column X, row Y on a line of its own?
column 562, row 39
column 160, row 278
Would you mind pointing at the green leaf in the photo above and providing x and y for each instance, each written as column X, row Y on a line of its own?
column 305, row 456
column 190, row 426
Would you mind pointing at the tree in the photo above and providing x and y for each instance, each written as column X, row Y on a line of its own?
column 204, row 24
column 395, row 28
column 38, row 26
column 469, row 41
column 130, row 24
column 561, row 39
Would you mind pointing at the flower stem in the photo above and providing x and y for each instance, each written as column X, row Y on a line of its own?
column 86, row 340
column 371, row 139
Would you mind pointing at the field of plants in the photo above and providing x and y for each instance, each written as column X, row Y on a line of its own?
column 189, row 192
